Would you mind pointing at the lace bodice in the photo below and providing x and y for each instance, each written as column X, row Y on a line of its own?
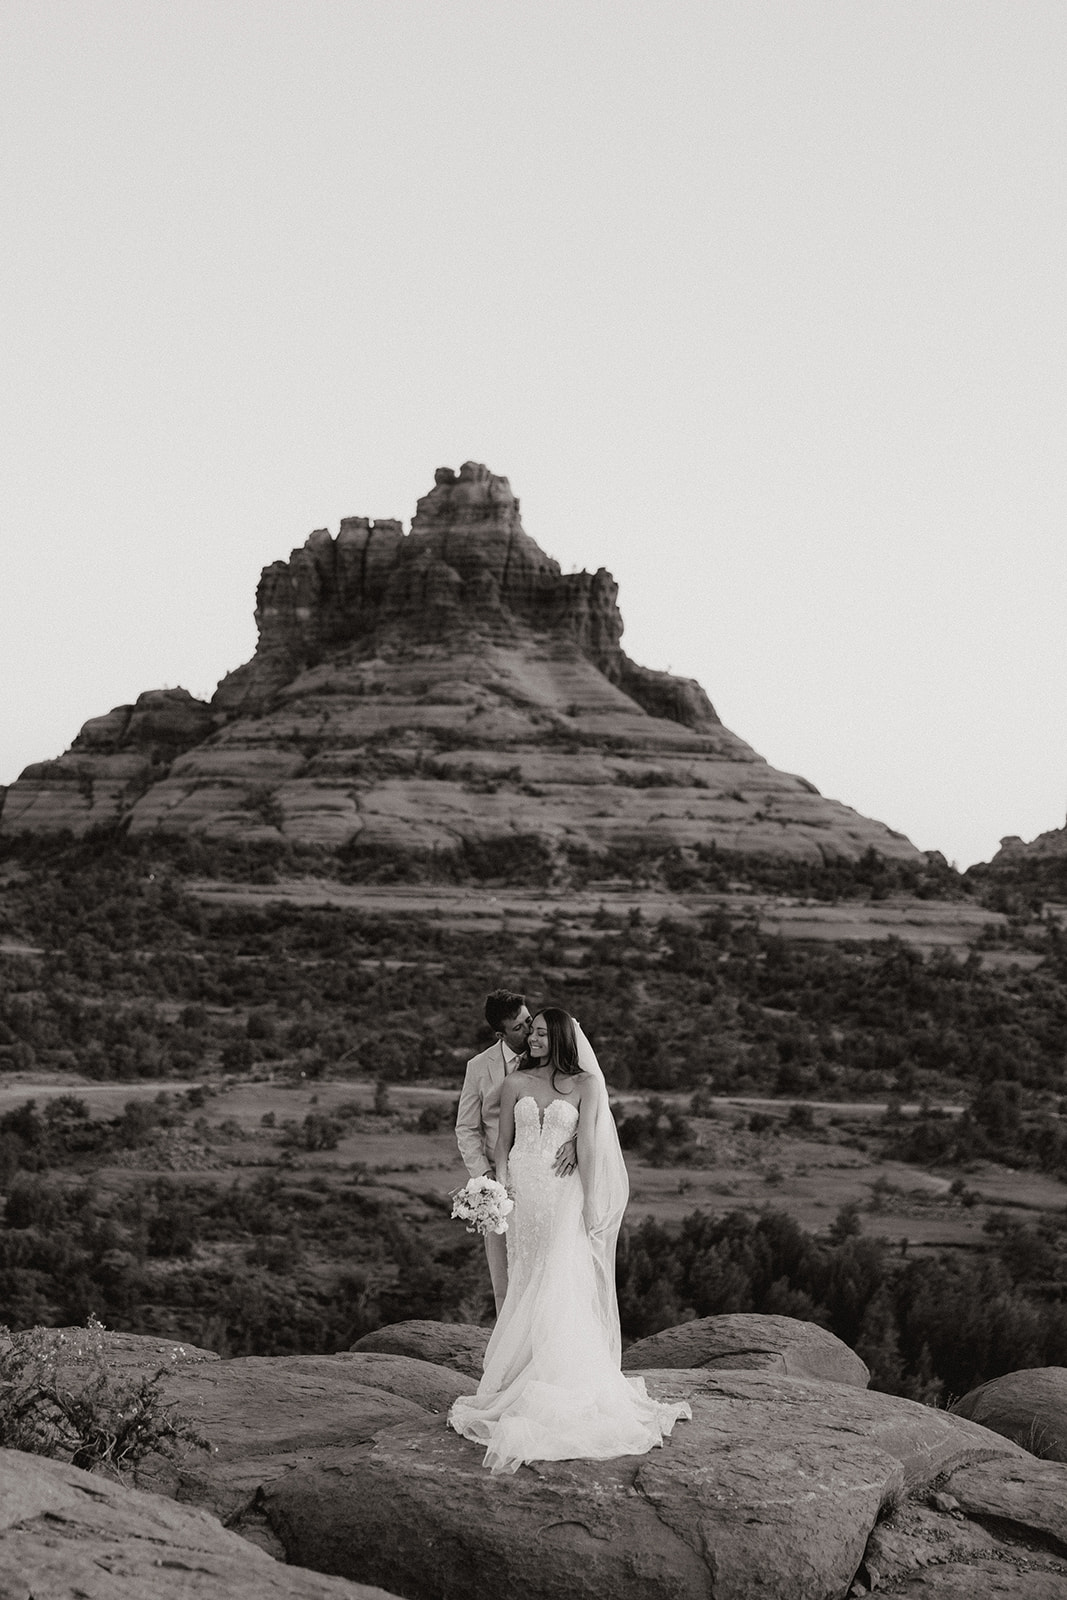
column 538, row 1191
column 534, row 1131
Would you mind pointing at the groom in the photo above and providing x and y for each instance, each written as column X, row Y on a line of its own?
column 478, row 1116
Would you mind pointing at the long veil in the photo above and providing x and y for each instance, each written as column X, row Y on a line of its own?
column 605, row 1206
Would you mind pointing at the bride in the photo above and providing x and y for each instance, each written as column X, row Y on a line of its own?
column 552, row 1388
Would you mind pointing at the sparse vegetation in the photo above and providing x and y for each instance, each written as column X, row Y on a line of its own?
column 137, row 977
column 59, row 1397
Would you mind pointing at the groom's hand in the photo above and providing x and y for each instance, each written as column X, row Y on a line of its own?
column 566, row 1158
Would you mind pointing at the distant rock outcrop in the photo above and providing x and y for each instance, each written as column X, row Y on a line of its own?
column 111, row 764
column 782, row 1487
column 1050, row 846
column 466, row 564
column 159, row 726
column 425, row 692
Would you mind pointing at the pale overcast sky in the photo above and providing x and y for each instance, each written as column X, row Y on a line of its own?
column 758, row 304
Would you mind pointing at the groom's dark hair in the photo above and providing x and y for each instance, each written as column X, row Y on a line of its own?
column 500, row 1005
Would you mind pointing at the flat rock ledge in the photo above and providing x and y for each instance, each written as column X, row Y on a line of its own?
column 782, row 1487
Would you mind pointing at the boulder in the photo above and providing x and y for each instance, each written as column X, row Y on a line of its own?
column 458, row 1345
column 265, row 1415
column 743, row 1341
column 993, row 1577
column 772, row 1490
column 924, row 1441
column 262, row 1416
column 71, row 1535
column 1029, row 1406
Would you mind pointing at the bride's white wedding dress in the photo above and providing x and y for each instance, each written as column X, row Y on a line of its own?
column 552, row 1388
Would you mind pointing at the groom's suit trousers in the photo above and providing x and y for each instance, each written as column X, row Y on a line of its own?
column 477, row 1123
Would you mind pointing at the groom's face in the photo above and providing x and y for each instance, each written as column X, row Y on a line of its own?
column 516, row 1030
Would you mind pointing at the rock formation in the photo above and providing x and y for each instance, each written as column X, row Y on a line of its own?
column 782, row 1486
column 1050, row 846
column 419, row 692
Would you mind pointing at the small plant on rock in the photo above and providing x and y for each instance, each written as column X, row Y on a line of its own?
column 59, row 1398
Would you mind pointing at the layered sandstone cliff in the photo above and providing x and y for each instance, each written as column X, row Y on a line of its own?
column 467, row 565
column 422, row 691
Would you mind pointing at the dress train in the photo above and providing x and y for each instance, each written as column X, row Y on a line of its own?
column 552, row 1388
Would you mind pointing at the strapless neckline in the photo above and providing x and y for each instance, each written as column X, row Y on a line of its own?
column 558, row 1101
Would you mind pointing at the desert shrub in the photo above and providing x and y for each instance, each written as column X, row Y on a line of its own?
column 260, row 1026
column 432, row 1118
column 318, row 1132
column 661, row 1135
column 800, row 1118
column 173, row 1228
column 237, row 1056
column 702, row 1103
column 59, row 1398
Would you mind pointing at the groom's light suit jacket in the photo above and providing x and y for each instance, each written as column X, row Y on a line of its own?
column 478, row 1117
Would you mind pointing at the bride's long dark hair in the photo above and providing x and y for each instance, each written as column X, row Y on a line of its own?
column 562, row 1054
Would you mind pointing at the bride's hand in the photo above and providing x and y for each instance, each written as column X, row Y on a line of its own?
column 566, row 1158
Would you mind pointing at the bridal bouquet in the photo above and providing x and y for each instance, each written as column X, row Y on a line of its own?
column 483, row 1204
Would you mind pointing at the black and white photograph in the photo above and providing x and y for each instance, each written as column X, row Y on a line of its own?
column 533, row 804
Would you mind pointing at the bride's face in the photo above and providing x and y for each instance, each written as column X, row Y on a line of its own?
column 537, row 1044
